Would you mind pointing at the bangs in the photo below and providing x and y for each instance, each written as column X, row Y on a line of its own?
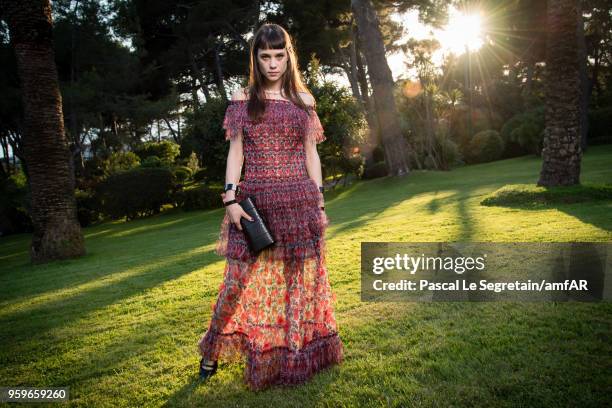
column 271, row 40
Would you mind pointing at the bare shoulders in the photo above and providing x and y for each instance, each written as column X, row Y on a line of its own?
column 239, row 95
column 307, row 98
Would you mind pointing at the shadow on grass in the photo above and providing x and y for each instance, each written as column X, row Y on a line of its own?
column 119, row 249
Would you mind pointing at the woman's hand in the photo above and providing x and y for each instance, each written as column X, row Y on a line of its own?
column 235, row 211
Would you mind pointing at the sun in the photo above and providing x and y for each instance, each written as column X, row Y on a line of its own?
column 462, row 30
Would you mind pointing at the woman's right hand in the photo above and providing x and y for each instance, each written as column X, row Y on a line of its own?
column 235, row 212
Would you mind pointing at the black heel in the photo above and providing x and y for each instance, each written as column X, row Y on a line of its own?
column 207, row 370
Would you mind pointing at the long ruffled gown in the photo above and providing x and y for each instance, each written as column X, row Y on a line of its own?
column 276, row 308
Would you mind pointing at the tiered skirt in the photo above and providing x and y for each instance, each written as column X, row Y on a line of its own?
column 275, row 308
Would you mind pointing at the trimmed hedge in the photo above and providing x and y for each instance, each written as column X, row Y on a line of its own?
column 199, row 198
column 137, row 192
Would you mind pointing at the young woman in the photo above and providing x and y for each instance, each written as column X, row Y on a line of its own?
column 275, row 308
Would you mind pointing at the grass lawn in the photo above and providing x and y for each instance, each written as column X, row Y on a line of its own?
column 120, row 326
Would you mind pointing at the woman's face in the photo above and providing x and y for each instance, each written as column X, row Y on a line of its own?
column 272, row 63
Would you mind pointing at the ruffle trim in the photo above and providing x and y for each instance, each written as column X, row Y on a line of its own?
column 291, row 212
column 277, row 366
column 313, row 131
column 236, row 118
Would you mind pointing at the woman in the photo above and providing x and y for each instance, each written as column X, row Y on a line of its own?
column 275, row 307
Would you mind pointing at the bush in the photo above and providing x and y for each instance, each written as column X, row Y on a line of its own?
column 448, row 151
column 136, row 192
column 165, row 151
column 600, row 126
column 199, row 198
column 526, row 129
column 14, row 205
column 182, row 173
column 88, row 207
column 377, row 170
column 486, row 146
column 120, row 161
column 201, row 175
column 151, row 161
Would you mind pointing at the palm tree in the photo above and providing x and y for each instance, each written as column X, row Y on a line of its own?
column 395, row 147
column 57, row 233
column 562, row 153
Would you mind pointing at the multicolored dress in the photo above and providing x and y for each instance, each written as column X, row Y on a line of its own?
column 275, row 308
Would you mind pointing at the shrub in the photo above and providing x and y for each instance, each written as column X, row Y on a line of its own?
column 166, row 151
column 486, row 146
column 14, row 205
column 448, row 151
column 152, row 161
column 377, row 170
column 137, row 192
column 120, row 161
column 88, row 207
column 182, row 173
column 600, row 126
column 525, row 129
column 199, row 198
column 201, row 175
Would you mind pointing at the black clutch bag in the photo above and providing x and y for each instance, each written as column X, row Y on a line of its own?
column 257, row 233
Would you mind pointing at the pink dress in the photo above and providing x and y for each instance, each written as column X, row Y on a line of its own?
column 276, row 308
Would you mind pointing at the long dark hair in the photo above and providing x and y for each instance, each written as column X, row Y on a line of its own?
column 273, row 36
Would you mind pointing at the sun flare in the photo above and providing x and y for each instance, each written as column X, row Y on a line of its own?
column 463, row 30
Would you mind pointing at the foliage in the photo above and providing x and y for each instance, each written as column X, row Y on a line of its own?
column 88, row 207
column 136, row 192
column 600, row 125
column 345, row 129
column 14, row 205
column 448, row 153
column 182, row 173
column 526, row 129
column 199, row 198
column 120, row 161
column 486, row 146
column 204, row 135
column 166, row 151
column 378, row 169
column 152, row 161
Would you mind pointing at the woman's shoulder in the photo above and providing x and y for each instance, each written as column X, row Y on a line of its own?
column 240, row 95
column 307, row 98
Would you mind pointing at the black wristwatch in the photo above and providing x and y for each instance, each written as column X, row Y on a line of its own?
column 230, row 186
column 229, row 202
column 321, row 189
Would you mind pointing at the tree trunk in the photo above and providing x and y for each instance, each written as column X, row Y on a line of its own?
column 584, row 83
column 219, row 74
column 57, row 233
column 382, row 85
column 561, row 153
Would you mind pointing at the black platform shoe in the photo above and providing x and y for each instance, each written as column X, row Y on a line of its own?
column 207, row 370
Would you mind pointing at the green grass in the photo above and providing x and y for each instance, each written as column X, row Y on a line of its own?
column 531, row 195
column 120, row 326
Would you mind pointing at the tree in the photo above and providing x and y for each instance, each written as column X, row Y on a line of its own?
column 57, row 233
column 394, row 144
column 561, row 151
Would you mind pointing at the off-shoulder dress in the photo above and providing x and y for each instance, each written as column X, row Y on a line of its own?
column 275, row 309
